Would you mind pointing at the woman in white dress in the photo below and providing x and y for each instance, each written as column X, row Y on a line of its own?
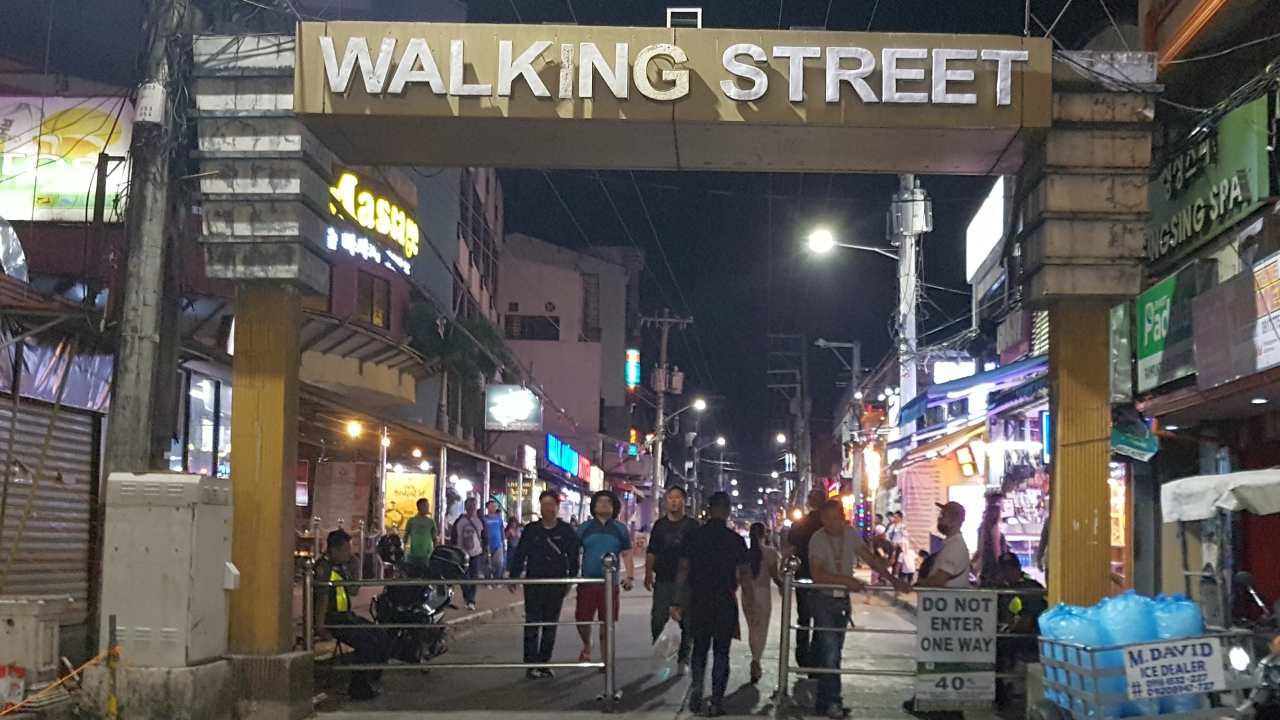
column 757, row 597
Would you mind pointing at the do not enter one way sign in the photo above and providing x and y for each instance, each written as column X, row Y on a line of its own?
column 956, row 627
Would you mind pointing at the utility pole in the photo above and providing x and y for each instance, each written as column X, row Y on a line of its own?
column 133, row 400
column 910, row 216
column 789, row 374
column 662, row 384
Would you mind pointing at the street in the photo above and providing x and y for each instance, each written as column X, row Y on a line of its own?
column 648, row 691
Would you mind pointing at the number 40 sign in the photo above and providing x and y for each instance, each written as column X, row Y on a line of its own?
column 950, row 691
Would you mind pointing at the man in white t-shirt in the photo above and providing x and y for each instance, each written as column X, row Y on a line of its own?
column 951, row 565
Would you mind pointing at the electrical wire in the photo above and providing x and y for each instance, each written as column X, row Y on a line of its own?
column 1222, row 53
column 1114, row 25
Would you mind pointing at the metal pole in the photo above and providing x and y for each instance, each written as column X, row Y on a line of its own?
column 660, row 425
column 442, row 477
column 610, row 656
column 133, row 397
column 308, row 606
column 359, row 530
column 381, row 505
column 911, row 217
column 784, row 642
column 113, row 662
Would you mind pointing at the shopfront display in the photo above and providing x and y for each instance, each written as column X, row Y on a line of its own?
column 403, row 490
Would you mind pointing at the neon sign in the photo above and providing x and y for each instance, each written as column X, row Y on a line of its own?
column 563, row 456
column 374, row 212
column 633, row 369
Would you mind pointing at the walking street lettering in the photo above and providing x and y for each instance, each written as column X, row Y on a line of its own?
column 956, row 627
column 1181, row 667
column 911, row 75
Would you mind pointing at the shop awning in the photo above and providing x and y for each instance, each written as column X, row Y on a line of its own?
column 1201, row 497
column 1000, row 378
column 945, row 444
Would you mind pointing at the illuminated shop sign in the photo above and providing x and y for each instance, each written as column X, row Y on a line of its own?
column 564, row 457
column 512, row 408
column 375, row 212
column 360, row 247
column 633, row 369
column 49, row 149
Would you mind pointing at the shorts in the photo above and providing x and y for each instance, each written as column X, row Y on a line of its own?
column 591, row 603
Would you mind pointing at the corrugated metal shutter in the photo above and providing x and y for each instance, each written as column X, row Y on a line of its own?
column 54, row 555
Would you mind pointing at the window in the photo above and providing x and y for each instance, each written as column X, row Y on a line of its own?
column 200, row 424
column 373, row 300
column 591, row 307
column 533, row 327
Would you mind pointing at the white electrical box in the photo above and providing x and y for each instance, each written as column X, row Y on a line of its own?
column 29, row 633
column 166, row 567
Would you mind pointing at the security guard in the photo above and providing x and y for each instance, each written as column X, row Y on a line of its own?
column 333, row 606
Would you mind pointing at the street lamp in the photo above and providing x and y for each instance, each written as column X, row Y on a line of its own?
column 774, row 474
column 821, row 241
column 721, row 442
column 699, row 404
column 781, row 438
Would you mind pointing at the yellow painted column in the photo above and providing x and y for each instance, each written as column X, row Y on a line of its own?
column 1079, row 555
column 264, row 452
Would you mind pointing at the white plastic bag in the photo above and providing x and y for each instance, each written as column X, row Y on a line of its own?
column 667, row 646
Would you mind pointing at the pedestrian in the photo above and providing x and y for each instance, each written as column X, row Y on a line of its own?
column 468, row 534
column 602, row 535
column 950, row 567
column 514, row 530
column 547, row 548
column 833, row 552
column 757, row 595
column 662, row 563
column 798, row 546
column 420, row 532
column 495, row 540
column 713, row 563
column 333, row 607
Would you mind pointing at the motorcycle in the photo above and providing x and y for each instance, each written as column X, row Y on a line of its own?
column 1263, row 621
column 420, row 605
column 1264, row 701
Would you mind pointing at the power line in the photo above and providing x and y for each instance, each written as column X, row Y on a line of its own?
column 1227, row 51
column 572, row 217
column 572, row 14
column 516, row 10
column 674, row 280
column 1114, row 25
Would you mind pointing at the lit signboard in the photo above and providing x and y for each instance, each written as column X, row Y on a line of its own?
column 49, row 155
column 512, row 408
column 984, row 231
column 374, row 211
column 562, row 455
column 633, row 369
column 360, row 247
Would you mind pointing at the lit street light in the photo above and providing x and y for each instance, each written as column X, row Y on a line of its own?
column 721, row 442
column 781, row 438
column 734, row 481
column 774, row 474
column 821, row 241
column 699, row 404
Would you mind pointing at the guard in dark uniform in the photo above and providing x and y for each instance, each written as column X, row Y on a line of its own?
column 334, row 607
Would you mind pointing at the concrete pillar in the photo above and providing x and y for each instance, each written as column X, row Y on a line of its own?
column 264, row 453
column 1079, row 556
column 1082, row 199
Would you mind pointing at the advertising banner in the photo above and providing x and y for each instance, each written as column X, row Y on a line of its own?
column 403, row 491
column 1165, row 349
column 49, row 150
column 1178, row 667
column 512, row 408
column 1237, row 329
column 1210, row 184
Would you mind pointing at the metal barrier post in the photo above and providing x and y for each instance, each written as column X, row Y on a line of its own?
column 784, row 642
column 308, row 605
column 360, row 549
column 610, row 656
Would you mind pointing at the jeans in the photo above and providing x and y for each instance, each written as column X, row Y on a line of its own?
column 804, row 618
column 475, row 571
column 828, row 645
column 542, row 603
column 368, row 645
column 718, row 643
column 664, row 595
column 497, row 563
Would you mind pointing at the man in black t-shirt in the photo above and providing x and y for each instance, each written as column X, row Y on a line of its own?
column 661, row 564
column 798, row 545
column 713, row 563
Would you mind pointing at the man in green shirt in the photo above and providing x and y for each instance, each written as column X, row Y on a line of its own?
column 420, row 533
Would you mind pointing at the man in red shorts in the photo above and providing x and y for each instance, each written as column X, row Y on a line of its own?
column 602, row 535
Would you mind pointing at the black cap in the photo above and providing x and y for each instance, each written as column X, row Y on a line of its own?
column 719, row 501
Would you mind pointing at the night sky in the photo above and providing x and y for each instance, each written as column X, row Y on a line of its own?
column 726, row 248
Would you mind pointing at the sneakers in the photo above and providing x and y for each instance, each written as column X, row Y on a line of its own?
column 837, row 712
column 471, row 607
column 532, row 674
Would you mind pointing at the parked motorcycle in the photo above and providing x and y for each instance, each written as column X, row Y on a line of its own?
column 420, row 605
column 1264, row 623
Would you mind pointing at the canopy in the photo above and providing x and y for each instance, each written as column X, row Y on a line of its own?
column 1200, row 497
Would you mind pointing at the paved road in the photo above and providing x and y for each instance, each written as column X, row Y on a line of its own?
column 648, row 691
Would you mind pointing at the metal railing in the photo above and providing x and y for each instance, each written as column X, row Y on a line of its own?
column 608, row 664
column 790, row 585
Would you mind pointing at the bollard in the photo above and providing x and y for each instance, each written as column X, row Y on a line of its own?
column 610, row 656
column 359, row 545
